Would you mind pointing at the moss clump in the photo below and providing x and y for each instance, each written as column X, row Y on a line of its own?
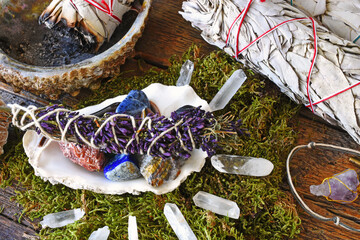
column 266, row 212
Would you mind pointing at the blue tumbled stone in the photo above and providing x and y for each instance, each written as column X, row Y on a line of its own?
column 134, row 103
column 184, row 108
column 121, row 168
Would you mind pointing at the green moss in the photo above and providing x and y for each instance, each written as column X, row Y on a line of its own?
column 266, row 212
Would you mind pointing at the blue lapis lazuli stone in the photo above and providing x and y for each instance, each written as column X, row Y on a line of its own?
column 121, row 168
column 134, row 103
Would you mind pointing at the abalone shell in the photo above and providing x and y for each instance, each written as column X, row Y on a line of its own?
column 20, row 34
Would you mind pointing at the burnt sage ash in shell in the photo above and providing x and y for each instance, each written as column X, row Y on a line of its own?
column 24, row 39
column 155, row 135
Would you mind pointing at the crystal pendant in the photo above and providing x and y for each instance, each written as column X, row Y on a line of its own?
column 341, row 187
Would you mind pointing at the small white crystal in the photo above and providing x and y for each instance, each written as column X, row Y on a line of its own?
column 185, row 73
column 227, row 91
column 132, row 228
column 100, row 234
column 60, row 219
column 250, row 166
column 217, row 204
column 178, row 222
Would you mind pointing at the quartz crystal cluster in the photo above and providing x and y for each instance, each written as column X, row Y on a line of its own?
column 341, row 187
column 171, row 211
column 204, row 200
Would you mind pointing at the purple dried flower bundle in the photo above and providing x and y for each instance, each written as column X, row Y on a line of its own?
column 155, row 135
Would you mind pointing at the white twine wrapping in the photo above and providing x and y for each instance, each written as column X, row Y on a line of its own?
column 30, row 112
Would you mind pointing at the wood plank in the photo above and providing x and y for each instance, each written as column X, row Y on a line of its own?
column 23, row 98
column 10, row 226
column 167, row 33
column 135, row 67
column 11, row 230
column 12, row 210
column 310, row 167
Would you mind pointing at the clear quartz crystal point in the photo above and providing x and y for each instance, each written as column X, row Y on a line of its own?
column 60, row 219
column 217, row 204
column 227, row 91
column 185, row 73
column 178, row 222
column 242, row 165
column 100, row 234
column 132, row 228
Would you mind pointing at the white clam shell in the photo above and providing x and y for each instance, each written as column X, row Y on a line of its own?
column 50, row 164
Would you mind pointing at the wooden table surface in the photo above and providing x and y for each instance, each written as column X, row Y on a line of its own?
column 166, row 34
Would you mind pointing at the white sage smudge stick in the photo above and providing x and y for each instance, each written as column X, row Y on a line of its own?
column 340, row 16
column 94, row 18
column 286, row 54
